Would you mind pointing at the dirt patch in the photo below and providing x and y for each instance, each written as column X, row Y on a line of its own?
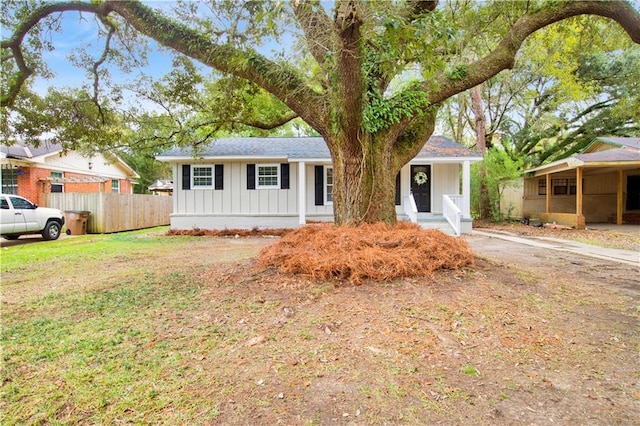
column 524, row 337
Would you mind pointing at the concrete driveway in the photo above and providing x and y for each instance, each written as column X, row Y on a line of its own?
column 629, row 257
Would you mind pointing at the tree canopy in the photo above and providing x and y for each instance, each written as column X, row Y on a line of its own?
column 374, row 74
column 572, row 82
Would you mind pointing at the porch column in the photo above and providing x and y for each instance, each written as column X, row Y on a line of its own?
column 619, row 206
column 548, row 197
column 466, row 189
column 302, row 191
column 579, row 191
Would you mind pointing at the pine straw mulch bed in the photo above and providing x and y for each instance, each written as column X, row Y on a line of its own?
column 376, row 252
column 234, row 233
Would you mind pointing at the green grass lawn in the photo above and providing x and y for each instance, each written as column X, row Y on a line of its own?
column 100, row 331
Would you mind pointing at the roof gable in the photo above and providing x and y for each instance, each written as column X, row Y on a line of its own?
column 29, row 151
column 606, row 143
column 50, row 153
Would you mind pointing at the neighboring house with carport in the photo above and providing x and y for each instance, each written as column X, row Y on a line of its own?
column 161, row 187
column 30, row 171
column 287, row 182
column 601, row 184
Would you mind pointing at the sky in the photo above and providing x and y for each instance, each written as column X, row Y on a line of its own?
column 81, row 31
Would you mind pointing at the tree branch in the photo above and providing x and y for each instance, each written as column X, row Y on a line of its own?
column 96, row 65
column 351, row 85
column 268, row 125
column 14, row 42
column 503, row 56
column 420, row 7
column 246, row 64
column 317, row 27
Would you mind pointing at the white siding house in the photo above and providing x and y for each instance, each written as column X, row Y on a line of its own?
column 244, row 183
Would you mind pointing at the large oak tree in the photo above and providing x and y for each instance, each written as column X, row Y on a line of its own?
column 360, row 50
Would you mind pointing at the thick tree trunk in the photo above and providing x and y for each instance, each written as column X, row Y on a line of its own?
column 364, row 185
column 365, row 170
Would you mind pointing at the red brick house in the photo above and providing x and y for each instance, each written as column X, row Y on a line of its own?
column 29, row 171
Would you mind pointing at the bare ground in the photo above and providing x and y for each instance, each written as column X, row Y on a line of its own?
column 524, row 337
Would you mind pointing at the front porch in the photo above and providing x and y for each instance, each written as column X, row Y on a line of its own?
column 582, row 195
column 599, row 185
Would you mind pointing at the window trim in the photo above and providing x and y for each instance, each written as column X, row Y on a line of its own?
column 542, row 186
column 556, row 183
column 325, row 185
column 61, row 184
column 573, row 186
column 272, row 186
column 193, row 176
column 9, row 181
column 116, row 186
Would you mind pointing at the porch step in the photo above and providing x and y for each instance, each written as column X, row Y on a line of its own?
column 436, row 223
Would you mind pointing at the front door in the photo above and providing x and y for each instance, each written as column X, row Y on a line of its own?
column 421, row 187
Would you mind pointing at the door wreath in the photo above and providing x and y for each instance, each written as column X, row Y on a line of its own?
column 420, row 178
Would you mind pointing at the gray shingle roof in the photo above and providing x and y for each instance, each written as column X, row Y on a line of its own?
column 22, row 150
column 301, row 148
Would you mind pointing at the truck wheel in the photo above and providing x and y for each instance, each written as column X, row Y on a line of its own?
column 51, row 231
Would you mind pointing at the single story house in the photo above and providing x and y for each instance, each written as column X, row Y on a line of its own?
column 287, row 182
column 601, row 184
column 30, row 171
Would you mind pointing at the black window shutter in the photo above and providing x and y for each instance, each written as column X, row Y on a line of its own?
column 319, row 172
column 186, row 176
column 284, row 176
column 219, row 176
column 251, row 176
column 398, row 189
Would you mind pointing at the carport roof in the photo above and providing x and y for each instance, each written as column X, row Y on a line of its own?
column 622, row 153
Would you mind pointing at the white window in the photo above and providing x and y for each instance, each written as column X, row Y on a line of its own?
column 115, row 185
column 328, row 187
column 56, row 186
column 202, row 177
column 9, row 181
column 268, row 176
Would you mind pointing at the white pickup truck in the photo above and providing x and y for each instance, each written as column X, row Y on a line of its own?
column 19, row 216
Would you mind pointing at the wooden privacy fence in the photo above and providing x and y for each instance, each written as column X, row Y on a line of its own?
column 113, row 212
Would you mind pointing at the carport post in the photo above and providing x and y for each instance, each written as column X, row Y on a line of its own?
column 579, row 191
column 619, row 199
column 548, row 197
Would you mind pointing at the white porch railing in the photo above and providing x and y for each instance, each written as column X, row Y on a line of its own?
column 458, row 200
column 410, row 208
column 451, row 210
